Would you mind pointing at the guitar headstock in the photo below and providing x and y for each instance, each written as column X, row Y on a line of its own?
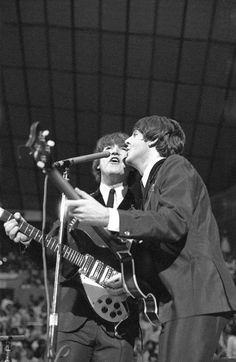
column 40, row 147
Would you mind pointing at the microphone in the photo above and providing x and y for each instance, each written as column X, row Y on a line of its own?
column 86, row 158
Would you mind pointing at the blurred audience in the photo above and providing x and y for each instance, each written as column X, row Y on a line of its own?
column 30, row 318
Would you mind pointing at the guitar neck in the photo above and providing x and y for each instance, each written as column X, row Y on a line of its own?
column 86, row 263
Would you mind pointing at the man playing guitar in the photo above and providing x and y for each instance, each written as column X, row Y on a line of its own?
column 88, row 336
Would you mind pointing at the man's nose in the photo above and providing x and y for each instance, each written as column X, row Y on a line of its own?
column 115, row 150
column 127, row 141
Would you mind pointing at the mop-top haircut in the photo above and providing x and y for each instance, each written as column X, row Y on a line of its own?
column 116, row 138
column 167, row 134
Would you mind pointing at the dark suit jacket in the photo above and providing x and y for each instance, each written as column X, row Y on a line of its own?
column 74, row 308
column 180, row 234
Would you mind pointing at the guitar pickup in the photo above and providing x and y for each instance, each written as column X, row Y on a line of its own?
column 87, row 265
column 96, row 270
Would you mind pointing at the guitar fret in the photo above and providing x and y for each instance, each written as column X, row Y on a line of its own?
column 36, row 235
column 80, row 259
column 25, row 228
column 31, row 232
column 28, row 229
column 52, row 246
column 48, row 238
column 66, row 252
column 73, row 256
column 77, row 259
column 48, row 241
column 21, row 224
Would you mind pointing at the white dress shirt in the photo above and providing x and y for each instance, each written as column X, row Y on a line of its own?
column 120, row 192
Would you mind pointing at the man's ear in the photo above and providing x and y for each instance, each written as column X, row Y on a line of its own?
column 152, row 143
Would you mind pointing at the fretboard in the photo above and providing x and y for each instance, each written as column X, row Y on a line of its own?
column 87, row 264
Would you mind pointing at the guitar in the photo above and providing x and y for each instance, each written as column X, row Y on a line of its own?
column 137, row 275
column 93, row 273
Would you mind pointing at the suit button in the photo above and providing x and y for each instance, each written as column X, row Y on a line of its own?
column 127, row 233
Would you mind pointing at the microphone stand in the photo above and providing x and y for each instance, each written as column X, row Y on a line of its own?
column 53, row 319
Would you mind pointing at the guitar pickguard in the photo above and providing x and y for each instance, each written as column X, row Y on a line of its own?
column 109, row 307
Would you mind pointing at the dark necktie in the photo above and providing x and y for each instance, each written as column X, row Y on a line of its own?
column 110, row 201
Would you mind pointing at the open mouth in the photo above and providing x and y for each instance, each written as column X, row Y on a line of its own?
column 114, row 159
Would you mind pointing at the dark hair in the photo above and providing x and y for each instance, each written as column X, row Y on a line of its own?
column 167, row 133
column 116, row 138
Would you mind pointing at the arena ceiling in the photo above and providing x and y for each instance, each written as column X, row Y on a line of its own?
column 83, row 68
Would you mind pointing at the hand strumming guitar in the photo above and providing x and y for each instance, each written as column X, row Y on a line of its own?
column 87, row 210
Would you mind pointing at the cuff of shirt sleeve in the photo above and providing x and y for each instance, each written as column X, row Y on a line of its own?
column 114, row 220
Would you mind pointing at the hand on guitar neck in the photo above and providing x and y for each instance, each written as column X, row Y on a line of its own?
column 101, row 282
column 12, row 227
column 12, row 230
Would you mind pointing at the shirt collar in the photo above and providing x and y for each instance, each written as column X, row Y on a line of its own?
column 148, row 170
column 119, row 188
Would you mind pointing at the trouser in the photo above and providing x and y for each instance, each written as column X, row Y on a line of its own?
column 93, row 343
column 192, row 339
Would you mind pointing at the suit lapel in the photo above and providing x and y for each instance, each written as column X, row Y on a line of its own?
column 149, row 188
column 126, row 204
column 98, row 196
column 128, row 201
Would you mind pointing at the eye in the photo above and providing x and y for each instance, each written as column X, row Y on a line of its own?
column 137, row 134
column 107, row 148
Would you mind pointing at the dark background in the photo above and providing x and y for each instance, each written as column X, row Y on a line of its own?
column 84, row 68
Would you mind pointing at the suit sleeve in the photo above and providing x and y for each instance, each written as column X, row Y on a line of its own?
column 172, row 200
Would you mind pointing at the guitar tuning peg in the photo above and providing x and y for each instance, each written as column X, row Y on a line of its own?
column 50, row 143
column 40, row 164
column 45, row 133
